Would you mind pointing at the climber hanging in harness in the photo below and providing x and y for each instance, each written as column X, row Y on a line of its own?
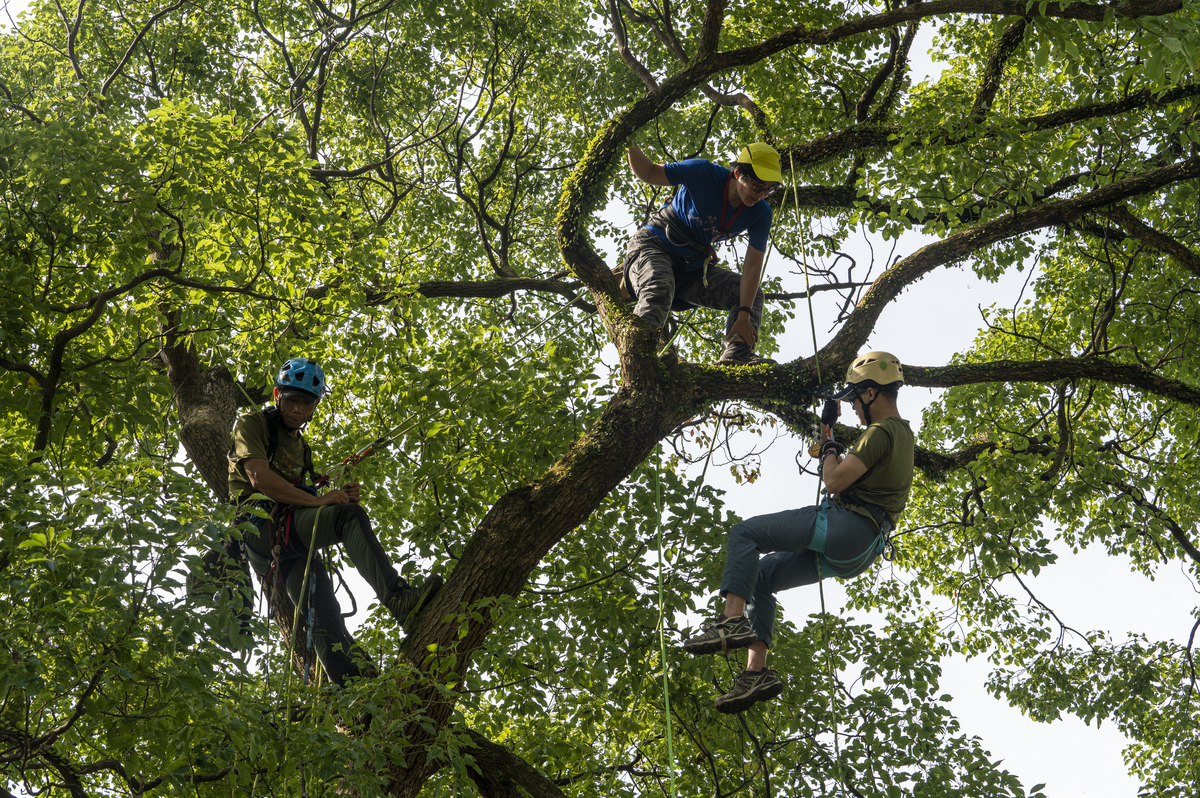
column 670, row 262
column 867, row 490
column 270, row 456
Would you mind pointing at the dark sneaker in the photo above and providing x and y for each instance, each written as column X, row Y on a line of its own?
column 404, row 603
column 721, row 634
column 751, row 687
column 737, row 353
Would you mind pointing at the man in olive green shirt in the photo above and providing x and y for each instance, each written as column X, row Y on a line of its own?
column 270, row 456
column 868, row 490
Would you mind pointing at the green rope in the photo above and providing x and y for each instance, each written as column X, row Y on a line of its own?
column 662, row 639
column 662, row 626
column 812, row 323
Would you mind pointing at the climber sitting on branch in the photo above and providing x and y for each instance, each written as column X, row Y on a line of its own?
column 270, row 456
column 670, row 262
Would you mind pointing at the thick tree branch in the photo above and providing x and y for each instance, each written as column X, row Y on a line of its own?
column 622, row 39
column 873, row 136
column 710, row 29
column 504, row 286
column 24, row 368
column 862, row 108
column 498, row 772
column 1177, row 532
column 1152, row 238
column 993, row 74
column 888, row 286
column 801, row 34
column 1090, row 368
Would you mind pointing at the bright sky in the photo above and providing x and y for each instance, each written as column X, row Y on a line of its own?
column 11, row 8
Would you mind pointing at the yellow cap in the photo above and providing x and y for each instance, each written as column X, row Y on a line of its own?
column 764, row 160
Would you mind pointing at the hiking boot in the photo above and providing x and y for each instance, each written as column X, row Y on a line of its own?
column 737, row 353
column 623, row 283
column 751, row 687
column 405, row 602
column 721, row 634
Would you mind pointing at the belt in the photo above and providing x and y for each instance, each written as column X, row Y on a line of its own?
column 851, row 499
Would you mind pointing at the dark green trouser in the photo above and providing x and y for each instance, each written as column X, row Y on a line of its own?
column 348, row 525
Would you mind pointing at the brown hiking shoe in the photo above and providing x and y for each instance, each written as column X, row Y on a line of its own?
column 750, row 688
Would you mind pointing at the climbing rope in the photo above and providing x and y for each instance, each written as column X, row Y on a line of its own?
column 662, row 625
column 812, row 323
column 662, row 630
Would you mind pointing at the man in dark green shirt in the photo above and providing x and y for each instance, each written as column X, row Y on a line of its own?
column 270, row 456
column 868, row 490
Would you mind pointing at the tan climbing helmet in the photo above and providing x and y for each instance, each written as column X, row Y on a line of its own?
column 871, row 370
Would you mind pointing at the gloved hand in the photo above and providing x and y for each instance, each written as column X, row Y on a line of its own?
column 830, row 412
column 831, row 446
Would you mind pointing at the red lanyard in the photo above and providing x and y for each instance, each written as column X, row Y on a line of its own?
column 722, row 227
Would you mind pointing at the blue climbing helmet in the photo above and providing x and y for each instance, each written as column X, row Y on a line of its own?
column 301, row 376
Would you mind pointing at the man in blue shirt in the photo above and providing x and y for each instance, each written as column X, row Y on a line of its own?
column 671, row 262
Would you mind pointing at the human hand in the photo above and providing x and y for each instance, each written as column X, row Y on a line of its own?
column 334, row 497
column 351, row 489
column 832, row 447
column 743, row 329
column 831, row 412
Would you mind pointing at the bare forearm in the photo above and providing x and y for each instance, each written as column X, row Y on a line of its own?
column 276, row 487
column 645, row 169
column 751, row 276
column 840, row 473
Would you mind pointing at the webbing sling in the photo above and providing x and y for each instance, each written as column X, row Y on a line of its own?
column 842, row 568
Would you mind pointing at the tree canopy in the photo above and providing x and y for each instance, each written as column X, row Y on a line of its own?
column 415, row 194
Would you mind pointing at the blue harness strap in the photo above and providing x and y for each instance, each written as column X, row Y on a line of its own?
column 842, row 568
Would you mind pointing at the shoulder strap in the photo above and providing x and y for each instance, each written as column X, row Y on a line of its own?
column 274, row 425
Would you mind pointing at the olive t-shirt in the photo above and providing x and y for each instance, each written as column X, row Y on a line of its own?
column 886, row 449
column 250, row 440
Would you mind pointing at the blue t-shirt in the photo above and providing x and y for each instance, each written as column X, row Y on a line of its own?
column 699, row 202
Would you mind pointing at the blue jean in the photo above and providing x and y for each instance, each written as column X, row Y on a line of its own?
column 785, row 539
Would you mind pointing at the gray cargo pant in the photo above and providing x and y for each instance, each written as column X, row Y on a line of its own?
column 784, row 538
column 650, row 272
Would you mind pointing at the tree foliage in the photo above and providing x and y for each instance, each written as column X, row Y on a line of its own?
column 415, row 194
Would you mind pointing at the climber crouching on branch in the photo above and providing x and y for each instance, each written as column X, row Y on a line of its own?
column 867, row 491
column 270, row 456
column 670, row 262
